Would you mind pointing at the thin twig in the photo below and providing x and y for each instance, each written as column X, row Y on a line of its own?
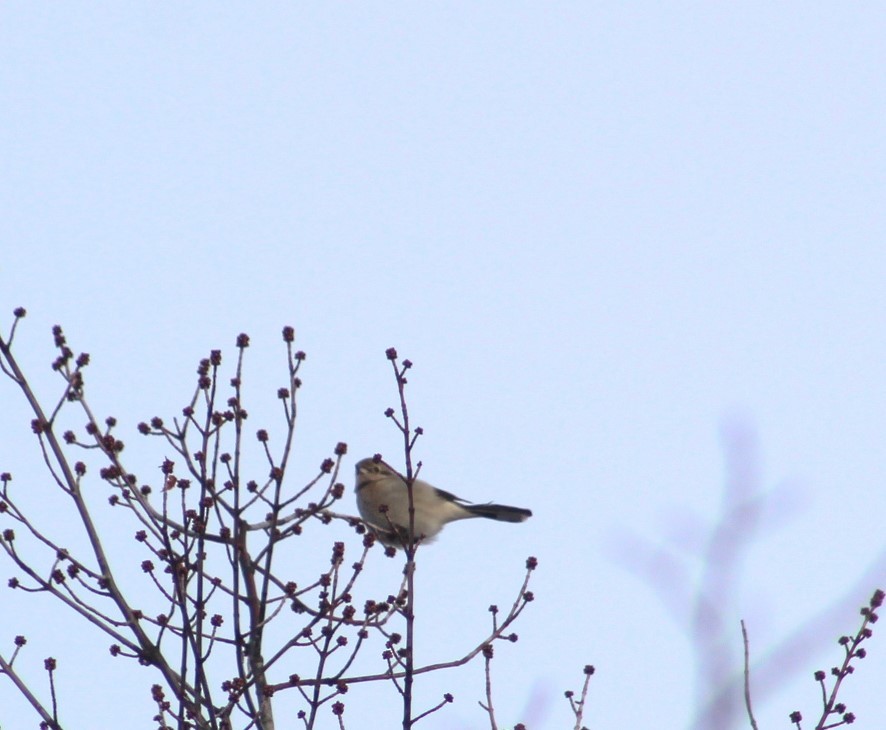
column 7, row 669
column 747, row 677
column 578, row 708
column 490, row 709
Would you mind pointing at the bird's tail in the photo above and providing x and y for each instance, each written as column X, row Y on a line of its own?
column 500, row 512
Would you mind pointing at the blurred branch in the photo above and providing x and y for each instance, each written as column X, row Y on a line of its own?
column 703, row 611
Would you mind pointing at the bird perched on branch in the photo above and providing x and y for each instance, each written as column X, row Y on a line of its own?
column 383, row 502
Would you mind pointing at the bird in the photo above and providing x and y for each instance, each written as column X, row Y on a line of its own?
column 383, row 502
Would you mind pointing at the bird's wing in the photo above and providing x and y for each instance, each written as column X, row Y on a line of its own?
column 449, row 496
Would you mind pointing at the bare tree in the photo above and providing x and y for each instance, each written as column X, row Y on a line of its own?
column 224, row 621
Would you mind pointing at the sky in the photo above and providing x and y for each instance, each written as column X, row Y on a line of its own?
column 634, row 251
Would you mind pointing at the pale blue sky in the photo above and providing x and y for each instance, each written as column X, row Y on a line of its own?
column 600, row 231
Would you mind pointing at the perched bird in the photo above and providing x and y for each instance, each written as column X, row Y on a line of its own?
column 384, row 505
